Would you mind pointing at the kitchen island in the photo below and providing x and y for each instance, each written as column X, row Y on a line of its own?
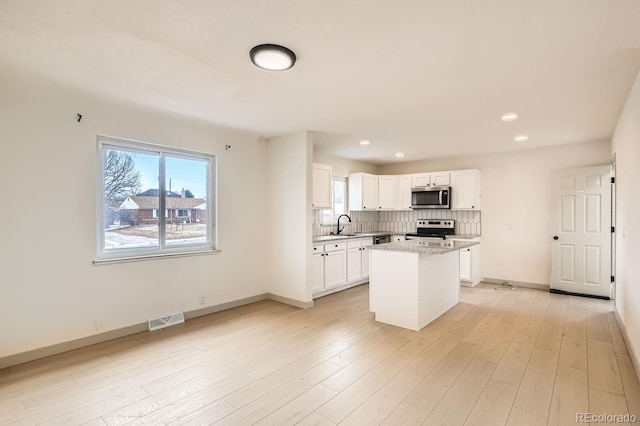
column 413, row 282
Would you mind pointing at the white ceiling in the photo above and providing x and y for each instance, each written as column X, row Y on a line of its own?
column 429, row 78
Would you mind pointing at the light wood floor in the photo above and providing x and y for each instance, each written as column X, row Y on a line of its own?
column 499, row 357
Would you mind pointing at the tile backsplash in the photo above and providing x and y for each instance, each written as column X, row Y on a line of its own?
column 468, row 222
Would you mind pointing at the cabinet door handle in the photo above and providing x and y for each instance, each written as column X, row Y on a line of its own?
column 336, row 245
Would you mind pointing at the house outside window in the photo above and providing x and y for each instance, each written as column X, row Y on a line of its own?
column 153, row 200
column 339, row 200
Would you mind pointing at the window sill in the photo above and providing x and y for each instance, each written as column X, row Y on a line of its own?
column 140, row 258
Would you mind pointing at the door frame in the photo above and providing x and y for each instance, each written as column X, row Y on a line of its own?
column 614, row 206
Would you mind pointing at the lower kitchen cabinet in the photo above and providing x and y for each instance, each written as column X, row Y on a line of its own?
column 339, row 265
column 358, row 259
column 470, row 266
column 354, row 263
column 317, row 264
column 335, row 265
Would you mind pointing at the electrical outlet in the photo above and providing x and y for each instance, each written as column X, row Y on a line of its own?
column 202, row 300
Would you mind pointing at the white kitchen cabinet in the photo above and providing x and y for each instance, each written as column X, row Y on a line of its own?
column 354, row 261
column 420, row 179
column 465, row 190
column 358, row 259
column 386, row 192
column 440, row 179
column 397, row 238
column 363, row 191
column 470, row 265
column 321, row 195
column 365, row 262
column 317, row 264
column 430, row 179
column 335, row 265
column 465, row 264
column 403, row 192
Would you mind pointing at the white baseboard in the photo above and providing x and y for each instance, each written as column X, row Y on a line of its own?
column 536, row 286
column 289, row 301
column 59, row 348
column 625, row 336
column 340, row 288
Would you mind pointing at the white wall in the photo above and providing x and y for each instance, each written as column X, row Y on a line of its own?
column 626, row 148
column 49, row 290
column 516, row 203
column 289, row 221
column 343, row 166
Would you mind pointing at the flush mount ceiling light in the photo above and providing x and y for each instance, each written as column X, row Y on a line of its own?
column 509, row 116
column 521, row 138
column 272, row 57
column 364, row 142
column 399, row 154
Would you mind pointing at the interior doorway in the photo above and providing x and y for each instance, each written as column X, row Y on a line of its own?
column 581, row 232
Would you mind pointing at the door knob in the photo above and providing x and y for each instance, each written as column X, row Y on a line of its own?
column 555, row 237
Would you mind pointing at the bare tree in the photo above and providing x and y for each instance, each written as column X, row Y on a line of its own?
column 121, row 179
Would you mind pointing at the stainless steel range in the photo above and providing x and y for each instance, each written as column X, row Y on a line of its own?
column 433, row 228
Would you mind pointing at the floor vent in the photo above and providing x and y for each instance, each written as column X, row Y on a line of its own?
column 162, row 322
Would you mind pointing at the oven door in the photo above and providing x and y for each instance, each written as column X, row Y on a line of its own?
column 430, row 198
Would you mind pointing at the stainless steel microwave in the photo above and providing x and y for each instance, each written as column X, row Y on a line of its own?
column 433, row 197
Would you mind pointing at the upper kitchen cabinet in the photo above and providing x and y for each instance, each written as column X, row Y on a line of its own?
column 321, row 186
column 440, row 179
column 386, row 192
column 430, row 179
column 403, row 192
column 465, row 188
column 371, row 192
column 363, row 192
column 420, row 179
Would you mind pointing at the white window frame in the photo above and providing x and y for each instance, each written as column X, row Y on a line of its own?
column 162, row 250
column 334, row 219
column 182, row 210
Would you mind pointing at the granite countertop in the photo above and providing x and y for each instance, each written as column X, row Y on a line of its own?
column 425, row 246
column 463, row 237
column 326, row 238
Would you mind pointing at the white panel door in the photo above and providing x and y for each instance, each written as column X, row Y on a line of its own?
column 581, row 226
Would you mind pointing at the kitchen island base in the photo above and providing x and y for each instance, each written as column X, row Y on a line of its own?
column 409, row 289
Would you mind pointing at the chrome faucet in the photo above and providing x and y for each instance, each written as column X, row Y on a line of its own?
column 340, row 217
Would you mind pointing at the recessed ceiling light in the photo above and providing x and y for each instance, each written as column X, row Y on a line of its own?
column 521, row 138
column 399, row 154
column 509, row 116
column 364, row 142
column 272, row 57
